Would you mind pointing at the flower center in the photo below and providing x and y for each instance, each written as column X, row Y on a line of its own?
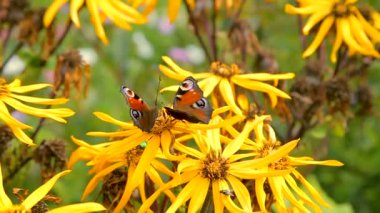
column 224, row 70
column 214, row 167
column 342, row 9
column 133, row 156
column 281, row 164
column 4, row 91
column 163, row 122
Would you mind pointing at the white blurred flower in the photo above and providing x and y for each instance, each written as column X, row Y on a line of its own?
column 144, row 48
column 15, row 66
column 195, row 54
column 88, row 55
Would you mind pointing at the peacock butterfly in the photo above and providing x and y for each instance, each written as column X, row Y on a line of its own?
column 189, row 104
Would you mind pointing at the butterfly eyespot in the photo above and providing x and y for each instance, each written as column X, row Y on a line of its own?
column 135, row 114
column 200, row 104
column 127, row 92
column 187, row 85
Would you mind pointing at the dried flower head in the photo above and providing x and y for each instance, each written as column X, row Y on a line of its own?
column 71, row 69
column 12, row 11
column 51, row 155
column 30, row 26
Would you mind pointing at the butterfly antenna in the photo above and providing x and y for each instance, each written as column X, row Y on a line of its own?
column 158, row 88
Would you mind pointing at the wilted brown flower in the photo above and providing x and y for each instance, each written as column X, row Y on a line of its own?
column 12, row 11
column 70, row 69
column 30, row 26
column 51, row 155
column 5, row 138
column 338, row 94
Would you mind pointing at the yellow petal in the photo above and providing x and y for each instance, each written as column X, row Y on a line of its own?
column 40, row 193
column 75, row 5
column 216, row 196
column 235, row 145
column 145, row 205
column 302, row 10
column 98, row 177
column 228, row 95
column 156, row 178
column 369, row 29
column 241, row 192
column 275, row 184
column 310, row 188
column 263, row 76
column 36, row 100
column 175, row 68
column 4, row 199
column 138, row 176
column 289, row 196
column 79, row 208
column 52, row 10
column 359, row 33
column 208, row 84
column 322, row 32
column 188, row 150
column 167, row 140
column 293, row 185
column 298, row 161
column 313, row 20
column 128, row 10
column 118, row 19
column 198, row 199
column 93, row 8
column 22, row 136
column 250, row 174
column 260, row 193
column 9, row 120
column 173, row 9
column 337, row 43
column 107, row 118
column 186, row 193
column 348, row 38
column 262, row 87
column 274, row 156
column 188, row 165
column 29, row 88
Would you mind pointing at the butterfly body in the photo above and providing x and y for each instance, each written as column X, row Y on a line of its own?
column 189, row 104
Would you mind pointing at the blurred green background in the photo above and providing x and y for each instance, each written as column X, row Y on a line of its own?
column 132, row 59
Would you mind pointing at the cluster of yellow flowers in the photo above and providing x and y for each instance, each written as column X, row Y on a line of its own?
column 234, row 158
column 342, row 18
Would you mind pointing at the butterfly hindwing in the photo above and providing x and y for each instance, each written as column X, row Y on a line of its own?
column 189, row 103
column 142, row 116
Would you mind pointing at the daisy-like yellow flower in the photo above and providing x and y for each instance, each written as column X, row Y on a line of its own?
column 225, row 78
column 10, row 95
column 283, row 187
column 220, row 170
column 125, row 143
column 6, row 204
column 344, row 19
column 120, row 13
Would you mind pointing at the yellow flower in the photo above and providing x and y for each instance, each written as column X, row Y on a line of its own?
column 6, row 204
column 284, row 187
column 225, row 78
column 219, row 169
column 350, row 26
column 123, row 150
column 10, row 95
column 119, row 12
